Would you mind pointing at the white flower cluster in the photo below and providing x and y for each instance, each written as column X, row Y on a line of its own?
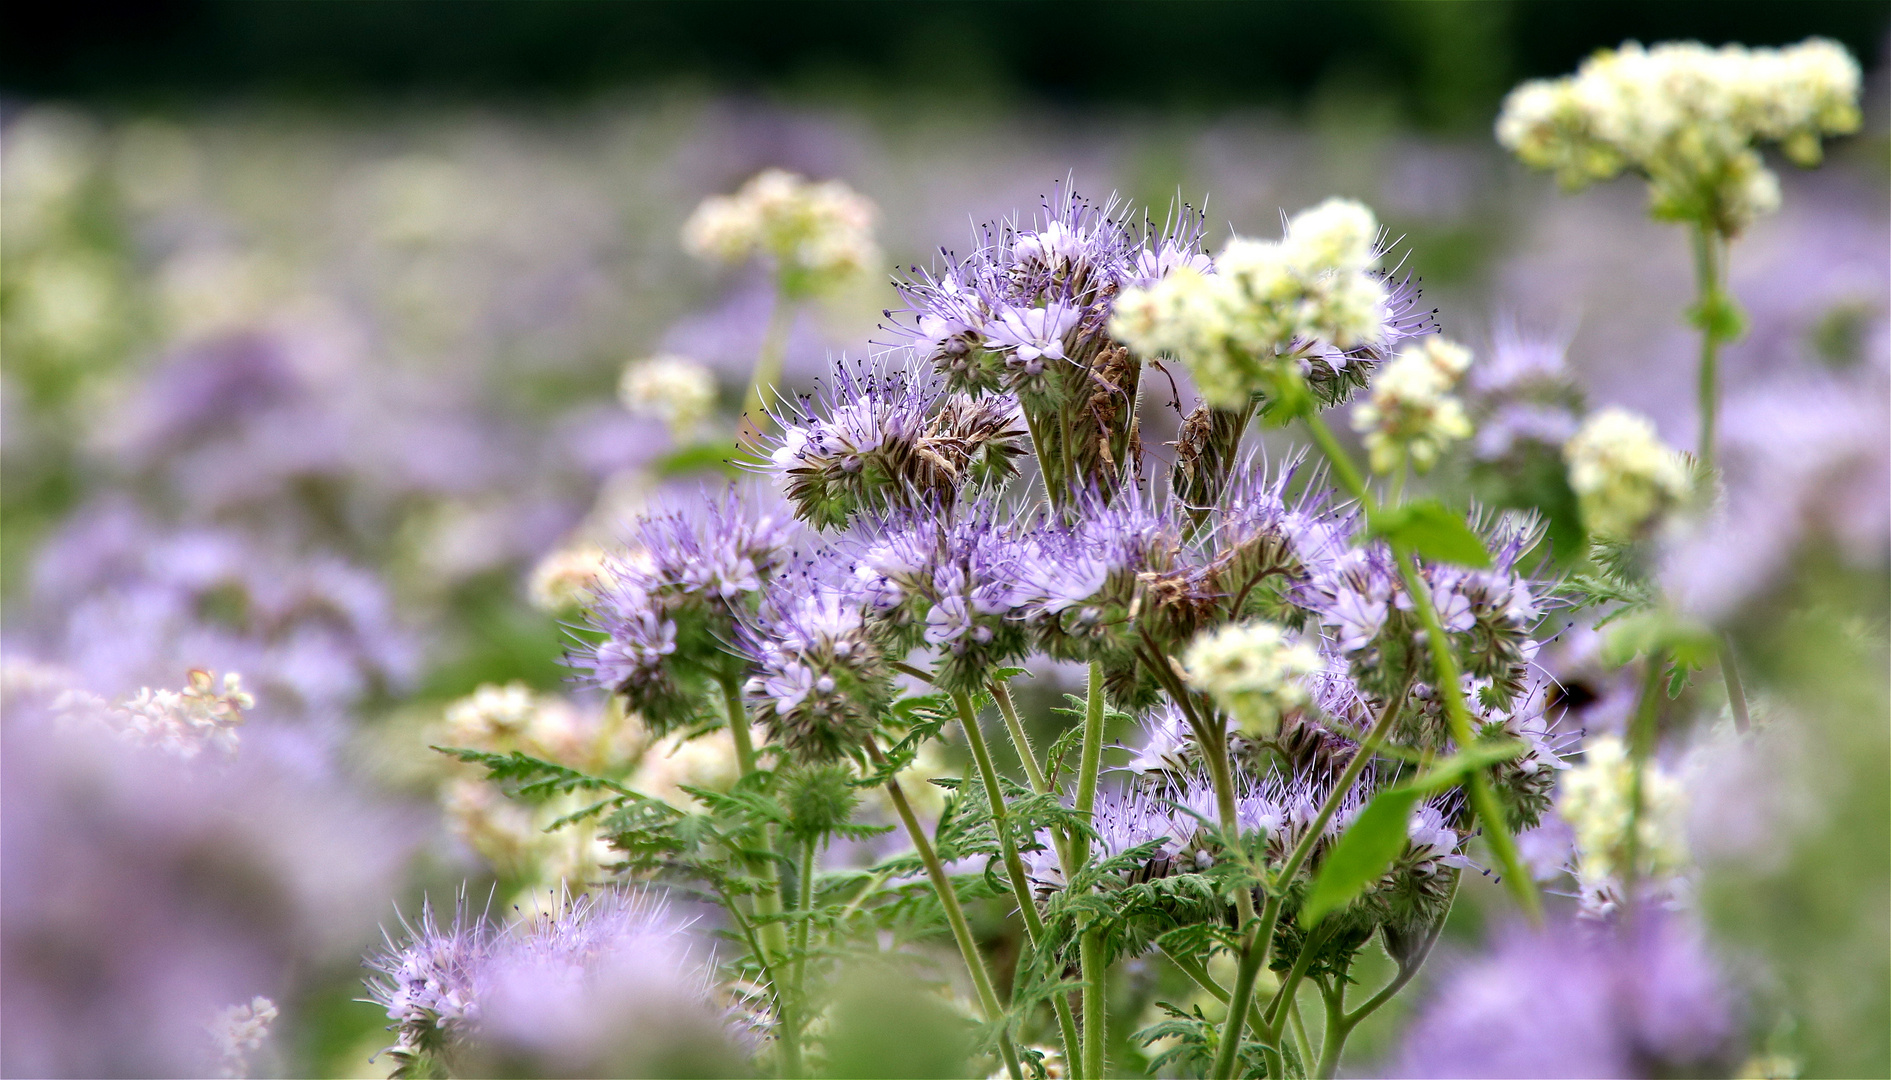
column 674, row 389
column 1263, row 297
column 819, row 234
column 1687, row 117
column 1253, row 670
column 567, row 578
column 1412, row 414
column 1595, row 797
column 180, row 722
column 237, row 1031
column 1622, row 474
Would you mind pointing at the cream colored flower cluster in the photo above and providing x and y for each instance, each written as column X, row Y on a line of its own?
column 1263, row 297
column 1253, row 670
column 182, row 722
column 1687, row 117
column 1412, row 414
column 1596, row 798
column 238, row 1031
column 674, row 389
column 511, row 835
column 818, row 234
column 1622, row 474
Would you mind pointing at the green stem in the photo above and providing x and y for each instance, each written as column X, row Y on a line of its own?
column 1014, row 865
column 1095, row 1002
column 1736, row 694
column 774, row 936
column 1090, row 957
column 754, row 419
column 1254, row 950
column 955, row 915
column 1483, row 799
column 1343, row 468
column 1261, row 941
column 1333, row 1040
column 1299, row 1033
column 1020, row 739
column 1641, row 746
column 1709, row 267
column 803, row 928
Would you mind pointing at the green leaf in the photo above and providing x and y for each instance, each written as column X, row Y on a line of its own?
column 1456, row 767
column 1363, row 853
column 702, row 457
column 1433, row 530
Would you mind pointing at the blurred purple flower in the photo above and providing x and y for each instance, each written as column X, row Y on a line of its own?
column 145, row 892
column 1578, row 1001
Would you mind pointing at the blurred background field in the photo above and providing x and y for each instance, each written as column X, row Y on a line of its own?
column 311, row 318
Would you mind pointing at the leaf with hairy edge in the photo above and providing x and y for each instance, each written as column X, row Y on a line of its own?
column 1433, row 530
column 1363, row 853
column 535, row 777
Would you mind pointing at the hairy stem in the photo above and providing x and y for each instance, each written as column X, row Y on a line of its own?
column 768, row 906
column 1014, row 865
column 1094, row 970
column 1483, row 800
column 1020, row 739
column 955, row 914
column 1333, row 1040
column 1254, row 950
column 1299, row 1033
column 754, row 420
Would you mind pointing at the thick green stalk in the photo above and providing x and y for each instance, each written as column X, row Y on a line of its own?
column 774, row 936
column 1736, row 694
column 1483, row 799
column 1095, row 1003
column 1709, row 268
column 1641, row 746
column 803, row 928
column 955, row 915
column 1261, row 940
column 1094, row 970
column 1014, row 865
column 754, row 419
column 1333, row 1040
column 1020, row 739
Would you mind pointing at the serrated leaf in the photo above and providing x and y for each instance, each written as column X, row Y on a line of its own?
column 1431, row 529
column 1363, row 854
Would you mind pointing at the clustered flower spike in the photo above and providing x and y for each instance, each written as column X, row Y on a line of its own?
column 1688, row 118
column 1253, row 670
column 1027, row 313
column 1412, row 415
column 668, row 606
column 574, row 990
column 1596, row 798
column 674, row 389
column 184, row 722
column 1312, row 295
column 887, row 436
column 817, row 234
column 237, row 1031
column 1622, row 474
column 821, row 676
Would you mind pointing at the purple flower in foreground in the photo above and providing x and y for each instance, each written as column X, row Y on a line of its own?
column 1573, row 1001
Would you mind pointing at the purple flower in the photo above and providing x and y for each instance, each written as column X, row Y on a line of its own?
column 144, row 892
column 821, row 676
column 1032, row 335
column 1577, row 1001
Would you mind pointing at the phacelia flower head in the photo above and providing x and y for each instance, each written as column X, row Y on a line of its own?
column 1622, row 474
column 889, row 435
column 1688, row 118
column 1253, row 670
column 669, row 606
column 1412, row 415
column 430, row 983
column 817, row 234
column 674, row 389
column 821, row 677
